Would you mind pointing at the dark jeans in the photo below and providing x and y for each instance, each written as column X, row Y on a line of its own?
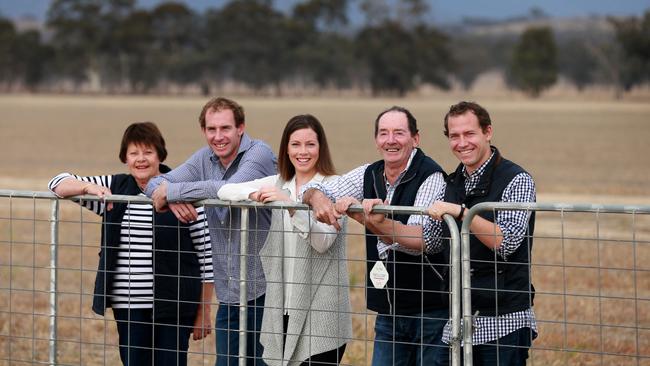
column 227, row 333
column 511, row 350
column 144, row 343
column 409, row 339
column 329, row 358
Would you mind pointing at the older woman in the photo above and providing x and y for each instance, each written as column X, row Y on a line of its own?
column 154, row 272
column 307, row 321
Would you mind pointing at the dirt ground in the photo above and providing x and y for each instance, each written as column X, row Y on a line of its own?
column 575, row 147
column 591, row 270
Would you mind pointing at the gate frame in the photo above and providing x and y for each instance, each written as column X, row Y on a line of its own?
column 468, row 317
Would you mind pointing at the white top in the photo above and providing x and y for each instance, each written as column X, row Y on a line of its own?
column 319, row 235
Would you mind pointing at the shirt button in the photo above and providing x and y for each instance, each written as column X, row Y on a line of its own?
column 222, row 222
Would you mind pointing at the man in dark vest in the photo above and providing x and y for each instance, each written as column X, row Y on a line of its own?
column 500, row 247
column 405, row 287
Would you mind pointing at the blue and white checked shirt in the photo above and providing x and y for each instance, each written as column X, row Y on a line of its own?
column 351, row 184
column 513, row 225
column 200, row 177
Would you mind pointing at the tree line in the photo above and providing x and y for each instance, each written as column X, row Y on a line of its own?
column 122, row 48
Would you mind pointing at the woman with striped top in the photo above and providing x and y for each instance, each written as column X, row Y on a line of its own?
column 154, row 272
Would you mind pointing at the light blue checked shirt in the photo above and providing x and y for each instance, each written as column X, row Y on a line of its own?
column 200, row 177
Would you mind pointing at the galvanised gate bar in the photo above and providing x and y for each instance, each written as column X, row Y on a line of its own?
column 590, row 267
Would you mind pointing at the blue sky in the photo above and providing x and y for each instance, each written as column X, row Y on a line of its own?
column 444, row 11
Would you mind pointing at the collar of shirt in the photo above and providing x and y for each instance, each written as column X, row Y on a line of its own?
column 401, row 175
column 471, row 180
column 244, row 144
column 291, row 185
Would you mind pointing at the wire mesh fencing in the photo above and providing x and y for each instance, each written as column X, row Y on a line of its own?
column 591, row 273
column 589, row 264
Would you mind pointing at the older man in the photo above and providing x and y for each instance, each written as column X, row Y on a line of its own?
column 411, row 312
column 231, row 156
column 500, row 244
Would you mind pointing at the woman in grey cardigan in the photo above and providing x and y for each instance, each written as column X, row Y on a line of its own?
column 307, row 309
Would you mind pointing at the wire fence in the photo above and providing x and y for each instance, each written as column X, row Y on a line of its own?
column 590, row 266
column 591, row 271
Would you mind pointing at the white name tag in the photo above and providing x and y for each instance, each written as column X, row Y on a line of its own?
column 379, row 275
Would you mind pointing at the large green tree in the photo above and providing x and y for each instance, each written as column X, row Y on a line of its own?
column 577, row 62
column 472, row 59
column 77, row 34
column 434, row 58
column 399, row 50
column 33, row 57
column 398, row 59
column 322, row 55
column 534, row 61
column 476, row 54
column 633, row 35
column 135, row 38
column 387, row 50
column 177, row 41
column 322, row 14
column 86, row 37
column 249, row 41
column 24, row 57
column 7, row 41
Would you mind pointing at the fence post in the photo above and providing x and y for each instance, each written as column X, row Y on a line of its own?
column 54, row 241
column 243, row 301
column 468, row 321
column 456, row 335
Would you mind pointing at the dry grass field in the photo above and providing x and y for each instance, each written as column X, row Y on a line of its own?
column 591, row 271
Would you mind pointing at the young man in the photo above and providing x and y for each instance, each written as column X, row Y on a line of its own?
column 411, row 312
column 500, row 247
column 231, row 156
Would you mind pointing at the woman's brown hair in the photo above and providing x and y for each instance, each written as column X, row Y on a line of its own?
column 324, row 165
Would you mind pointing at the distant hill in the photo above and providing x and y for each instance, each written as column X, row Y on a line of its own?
column 593, row 25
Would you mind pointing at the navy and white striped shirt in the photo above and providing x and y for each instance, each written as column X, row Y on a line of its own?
column 133, row 280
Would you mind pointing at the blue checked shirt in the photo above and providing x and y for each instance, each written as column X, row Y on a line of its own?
column 351, row 184
column 200, row 177
column 513, row 224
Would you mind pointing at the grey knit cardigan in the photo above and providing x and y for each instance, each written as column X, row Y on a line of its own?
column 319, row 318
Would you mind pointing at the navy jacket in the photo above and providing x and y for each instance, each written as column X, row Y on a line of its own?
column 177, row 276
column 511, row 278
column 413, row 286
